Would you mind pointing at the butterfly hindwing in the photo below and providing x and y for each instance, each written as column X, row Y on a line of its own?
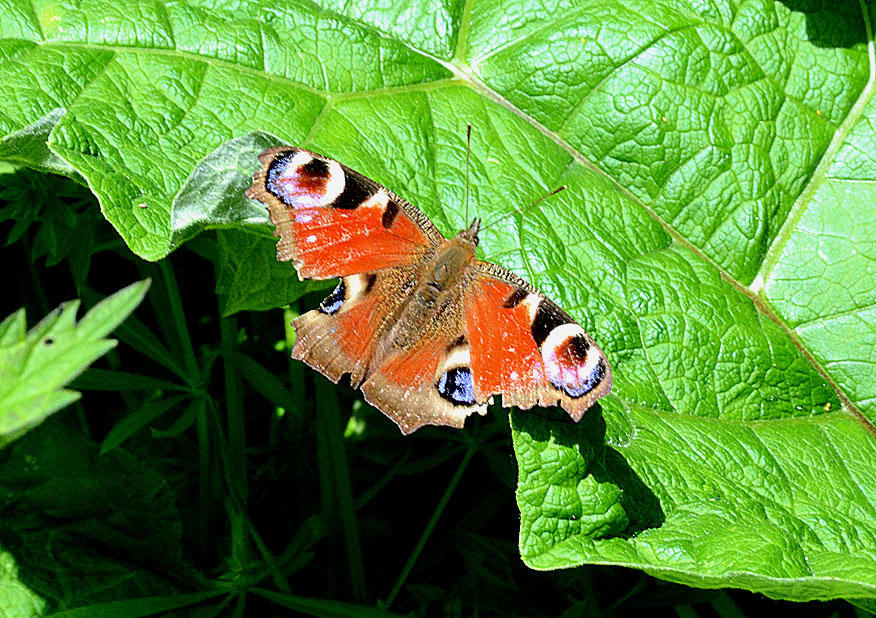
column 333, row 221
column 526, row 348
column 341, row 335
column 430, row 384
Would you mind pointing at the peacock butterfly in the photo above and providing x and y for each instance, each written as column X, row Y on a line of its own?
column 426, row 330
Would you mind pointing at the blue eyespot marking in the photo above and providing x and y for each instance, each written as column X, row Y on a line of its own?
column 457, row 386
column 335, row 300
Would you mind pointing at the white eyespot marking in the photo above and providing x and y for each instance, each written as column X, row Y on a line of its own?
column 356, row 285
column 514, row 375
column 300, row 158
column 311, row 238
column 458, row 357
column 378, row 200
column 303, row 217
column 561, row 333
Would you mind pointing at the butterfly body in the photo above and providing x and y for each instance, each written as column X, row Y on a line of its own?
column 441, row 284
column 427, row 331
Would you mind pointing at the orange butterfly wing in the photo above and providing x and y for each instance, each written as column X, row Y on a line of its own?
column 333, row 221
column 524, row 347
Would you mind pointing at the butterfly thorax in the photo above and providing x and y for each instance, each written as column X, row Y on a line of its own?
column 443, row 276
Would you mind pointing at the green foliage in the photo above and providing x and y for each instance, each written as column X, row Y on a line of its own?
column 67, row 497
column 715, row 238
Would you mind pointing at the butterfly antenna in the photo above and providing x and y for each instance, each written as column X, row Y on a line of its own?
column 467, row 157
column 527, row 207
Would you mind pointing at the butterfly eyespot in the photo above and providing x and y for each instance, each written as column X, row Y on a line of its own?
column 568, row 365
column 457, row 386
column 301, row 180
column 333, row 302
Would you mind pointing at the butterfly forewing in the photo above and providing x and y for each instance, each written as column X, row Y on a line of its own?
column 528, row 349
column 334, row 222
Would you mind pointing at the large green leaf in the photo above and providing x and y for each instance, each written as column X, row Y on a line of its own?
column 820, row 273
column 715, row 236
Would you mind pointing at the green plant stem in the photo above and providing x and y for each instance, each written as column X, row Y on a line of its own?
column 330, row 424
column 204, row 477
column 182, row 338
column 273, row 569
column 725, row 607
column 236, row 463
column 328, row 501
column 436, row 515
column 383, row 481
column 240, row 606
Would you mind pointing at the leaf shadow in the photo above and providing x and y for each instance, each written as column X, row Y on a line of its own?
column 831, row 24
column 609, row 466
column 604, row 463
